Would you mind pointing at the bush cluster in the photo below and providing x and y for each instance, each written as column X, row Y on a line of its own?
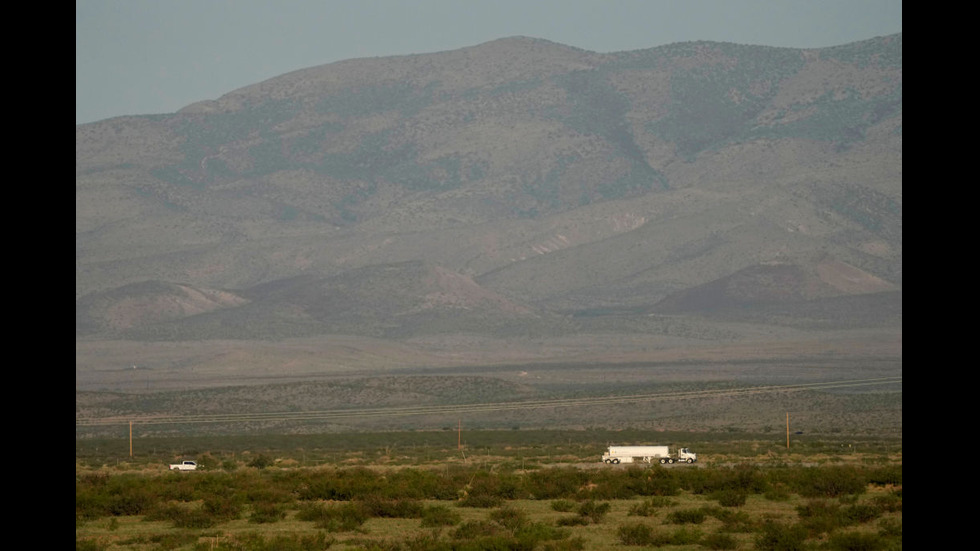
column 100, row 495
column 823, row 517
column 641, row 534
column 648, row 507
column 781, row 537
column 343, row 499
column 334, row 517
column 507, row 528
column 439, row 515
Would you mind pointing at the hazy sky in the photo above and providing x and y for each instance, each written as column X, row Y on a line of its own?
column 157, row 56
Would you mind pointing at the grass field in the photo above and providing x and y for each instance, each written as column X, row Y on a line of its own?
column 502, row 490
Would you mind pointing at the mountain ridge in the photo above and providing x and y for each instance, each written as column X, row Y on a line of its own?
column 515, row 187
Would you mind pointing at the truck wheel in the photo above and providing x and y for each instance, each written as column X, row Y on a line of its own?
column 689, row 460
column 662, row 461
column 615, row 461
column 671, row 461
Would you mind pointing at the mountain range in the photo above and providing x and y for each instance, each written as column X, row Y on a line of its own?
column 518, row 190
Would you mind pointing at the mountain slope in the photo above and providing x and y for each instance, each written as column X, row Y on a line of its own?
column 508, row 188
column 146, row 303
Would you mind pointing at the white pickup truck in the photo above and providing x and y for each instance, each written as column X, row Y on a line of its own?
column 184, row 466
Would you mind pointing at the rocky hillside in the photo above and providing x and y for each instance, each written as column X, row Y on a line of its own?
column 517, row 187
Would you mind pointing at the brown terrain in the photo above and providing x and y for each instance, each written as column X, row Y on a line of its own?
column 512, row 221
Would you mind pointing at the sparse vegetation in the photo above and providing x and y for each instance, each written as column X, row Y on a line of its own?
column 318, row 407
column 447, row 503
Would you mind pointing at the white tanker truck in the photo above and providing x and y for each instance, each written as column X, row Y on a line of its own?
column 647, row 454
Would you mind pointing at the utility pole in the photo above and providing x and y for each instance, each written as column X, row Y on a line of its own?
column 787, row 430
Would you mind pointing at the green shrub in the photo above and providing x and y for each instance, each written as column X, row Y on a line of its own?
column 439, row 515
column 747, row 479
column 90, row 505
column 223, row 508
column 819, row 516
column 719, row 541
column 426, row 541
column 266, row 513
column 566, row 544
column 193, row 518
column 89, row 545
column 730, row 497
column 261, row 461
column 377, row 506
column 184, row 516
column 488, row 487
column 744, row 478
column 889, row 503
column 687, row 516
column 530, row 534
column 781, row 537
column 890, row 528
column 508, row 517
column 128, row 504
column 555, row 483
column 162, row 512
column 642, row 534
column 562, row 505
column 172, row 540
column 342, row 485
column 594, row 511
column 830, row 482
column 657, row 481
column 256, row 542
column 777, row 492
column 378, row 545
column 635, row 534
column 420, row 484
column 685, row 536
column 855, row 541
column 646, row 508
column 474, row 529
column 481, row 501
column 858, row 514
column 572, row 521
column 342, row 517
column 98, row 495
column 882, row 476
column 733, row 521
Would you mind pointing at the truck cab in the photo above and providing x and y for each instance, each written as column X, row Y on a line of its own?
column 686, row 455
